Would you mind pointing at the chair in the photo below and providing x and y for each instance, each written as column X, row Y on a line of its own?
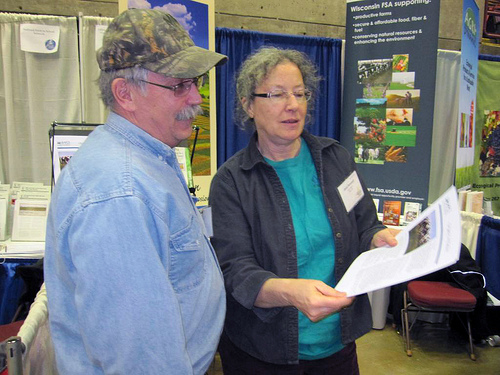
column 36, row 351
column 435, row 296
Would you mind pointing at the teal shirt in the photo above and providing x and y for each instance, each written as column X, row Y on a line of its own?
column 315, row 248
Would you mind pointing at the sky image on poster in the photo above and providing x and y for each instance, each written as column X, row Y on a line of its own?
column 193, row 16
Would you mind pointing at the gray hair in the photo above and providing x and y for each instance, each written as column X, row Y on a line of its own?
column 133, row 75
column 256, row 68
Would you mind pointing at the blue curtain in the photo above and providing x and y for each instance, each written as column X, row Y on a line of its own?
column 489, row 57
column 12, row 287
column 326, row 53
column 488, row 253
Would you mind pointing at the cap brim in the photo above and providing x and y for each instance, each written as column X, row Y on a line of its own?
column 188, row 63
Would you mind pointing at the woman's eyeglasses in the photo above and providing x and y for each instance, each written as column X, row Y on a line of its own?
column 281, row 96
column 182, row 88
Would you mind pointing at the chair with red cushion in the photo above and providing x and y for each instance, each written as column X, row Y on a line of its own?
column 436, row 296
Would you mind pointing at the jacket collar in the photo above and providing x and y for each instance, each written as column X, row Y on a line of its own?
column 252, row 156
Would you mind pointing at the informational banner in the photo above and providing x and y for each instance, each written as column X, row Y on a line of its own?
column 389, row 82
column 487, row 161
column 467, row 98
column 197, row 17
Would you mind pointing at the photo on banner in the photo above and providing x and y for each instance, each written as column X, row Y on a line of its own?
column 388, row 104
column 197, row 18
column 467, row 95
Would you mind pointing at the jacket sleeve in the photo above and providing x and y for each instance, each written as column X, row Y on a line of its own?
column 234, row 246
column 126, row 306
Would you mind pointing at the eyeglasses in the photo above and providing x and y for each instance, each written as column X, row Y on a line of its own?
column 183, row 88
column 280, row 96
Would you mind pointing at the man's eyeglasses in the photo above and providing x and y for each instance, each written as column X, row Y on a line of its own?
column 281, row 96
column 183, row 88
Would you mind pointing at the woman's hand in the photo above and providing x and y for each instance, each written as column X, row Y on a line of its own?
column 385, row 237
column 313, row 298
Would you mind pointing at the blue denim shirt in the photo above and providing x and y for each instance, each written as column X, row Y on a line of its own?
column 133, row 283
column 255, row 240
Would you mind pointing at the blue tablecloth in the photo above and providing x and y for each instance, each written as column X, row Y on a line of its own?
column 11, row 287
column 488, row 253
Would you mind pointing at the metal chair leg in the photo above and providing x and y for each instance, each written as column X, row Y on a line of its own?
column 471, row 346
column 406, row 328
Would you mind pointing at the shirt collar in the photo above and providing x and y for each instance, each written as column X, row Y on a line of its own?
column 139, row 137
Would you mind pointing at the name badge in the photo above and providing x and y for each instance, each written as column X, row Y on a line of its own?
column 351, row 191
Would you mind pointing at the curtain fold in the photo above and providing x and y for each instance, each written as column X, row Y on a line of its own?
column 470, row 223
column 444, row 131
column 326, row 53
column 94, row 110
column 35, row 90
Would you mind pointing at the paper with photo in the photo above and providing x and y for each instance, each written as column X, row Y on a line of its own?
column 30, row 220
column 429, row 243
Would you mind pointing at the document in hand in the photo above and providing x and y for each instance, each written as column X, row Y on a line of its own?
column 429, row 243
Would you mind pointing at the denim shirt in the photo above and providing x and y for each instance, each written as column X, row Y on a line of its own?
column 133, row 283
column 254, row 240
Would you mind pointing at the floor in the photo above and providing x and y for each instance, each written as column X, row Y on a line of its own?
column 436, row 350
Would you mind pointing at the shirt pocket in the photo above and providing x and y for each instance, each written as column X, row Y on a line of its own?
column 187, row 257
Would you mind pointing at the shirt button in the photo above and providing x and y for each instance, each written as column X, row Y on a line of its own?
column 341, row 260
column 160, row 157
column 338, row 235
column 330, row 209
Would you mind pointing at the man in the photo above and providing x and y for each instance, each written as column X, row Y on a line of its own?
column 132, row 281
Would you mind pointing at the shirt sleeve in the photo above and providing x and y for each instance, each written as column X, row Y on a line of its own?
column 233, row 244
column 127, row 309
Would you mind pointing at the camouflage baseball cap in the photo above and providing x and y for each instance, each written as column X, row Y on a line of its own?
column 155, row 41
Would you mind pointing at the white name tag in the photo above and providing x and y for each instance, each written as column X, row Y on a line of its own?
column 351, row 191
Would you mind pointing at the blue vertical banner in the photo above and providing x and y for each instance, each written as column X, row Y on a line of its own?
column 467, row 98
column 388, row 107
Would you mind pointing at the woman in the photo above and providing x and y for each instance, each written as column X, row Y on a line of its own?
column 285, row 233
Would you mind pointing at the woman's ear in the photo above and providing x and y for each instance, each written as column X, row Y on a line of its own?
column 247, row 106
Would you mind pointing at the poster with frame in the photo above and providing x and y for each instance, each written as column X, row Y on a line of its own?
column 64, row 140
column 198, row 18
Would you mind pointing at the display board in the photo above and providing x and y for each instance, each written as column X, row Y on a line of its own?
column 64, row 140
column 388, row 106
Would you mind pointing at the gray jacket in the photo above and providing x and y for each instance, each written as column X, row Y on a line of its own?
column 254, row 240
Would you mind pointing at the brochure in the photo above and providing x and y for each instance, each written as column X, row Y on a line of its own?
column 30, row 218
column 429, row 243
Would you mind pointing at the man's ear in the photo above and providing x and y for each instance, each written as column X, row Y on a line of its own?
column 247, row 106
column 122, row 91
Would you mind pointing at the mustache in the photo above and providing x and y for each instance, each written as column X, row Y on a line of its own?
column 189, row 113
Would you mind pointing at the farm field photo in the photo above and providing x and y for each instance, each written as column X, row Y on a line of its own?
column 401, row 136
column 403, row 98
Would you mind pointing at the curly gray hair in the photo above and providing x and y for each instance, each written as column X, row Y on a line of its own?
column 134, row 75
column 257, row 67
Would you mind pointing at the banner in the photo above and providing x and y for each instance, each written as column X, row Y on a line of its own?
column 467, row 99
column 389, row 82
column 486, row 170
